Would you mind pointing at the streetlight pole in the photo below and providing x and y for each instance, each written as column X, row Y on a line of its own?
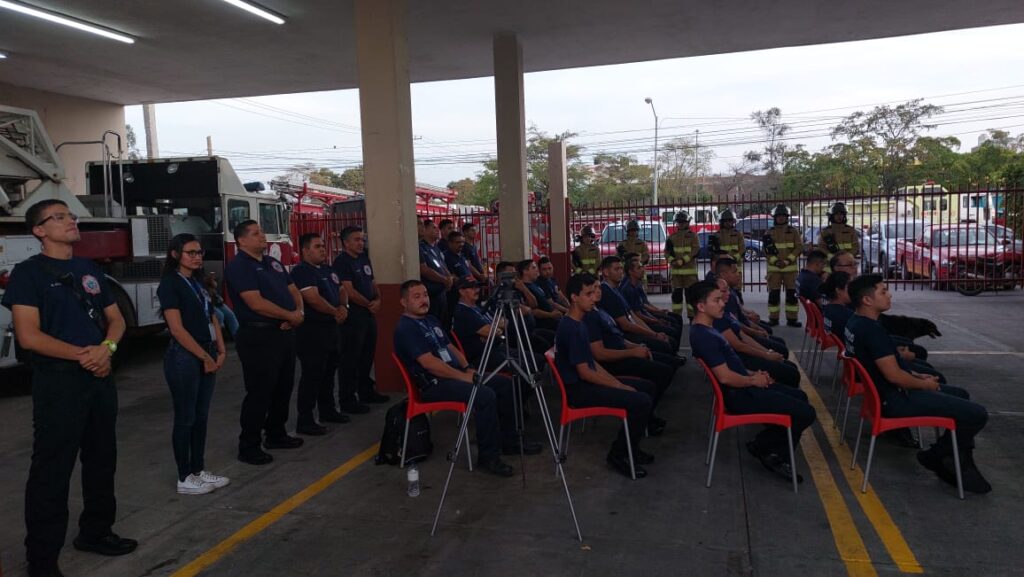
column 648, row 100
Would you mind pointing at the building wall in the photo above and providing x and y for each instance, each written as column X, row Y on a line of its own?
column 68, row 118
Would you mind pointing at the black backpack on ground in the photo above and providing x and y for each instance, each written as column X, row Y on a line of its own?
column 418, row 446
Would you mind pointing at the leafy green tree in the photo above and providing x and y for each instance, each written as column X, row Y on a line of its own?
column 619, row 178
column 132, row 141
column 352, row 179
column 772, row 157
column 681, row 162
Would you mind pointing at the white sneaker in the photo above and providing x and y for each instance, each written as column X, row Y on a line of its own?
column 216, row 480
column 193, row 485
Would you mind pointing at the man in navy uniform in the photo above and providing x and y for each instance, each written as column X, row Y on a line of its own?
column 588, row 384
column 728, row 270
column 433, row 272
column 65, row 315
column 317, row 338
column 359, row 333
column 632, row 289
column 442, row 374
column 472, row 254
column 269, row 307
column 811, row 275
column 906, row 393
column 534, row 296
column 613, row 303
column 743, row 391
column 548, row 282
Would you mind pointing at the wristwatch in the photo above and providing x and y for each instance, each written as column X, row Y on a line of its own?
column 112, row 345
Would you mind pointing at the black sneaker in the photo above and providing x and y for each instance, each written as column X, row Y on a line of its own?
column 901, row 438
column 374, row 397
column 44, row 570
column 354, row 408
column 779, row 466
column 529, row 448
column 642, row 457
column 335, row 418
column 974, row 482
column 111, row 545
column 773, row 322
column 795, row 324
column 255, row 456
column 496, row 467
column 312, row 429
column 285, row 442
column 621, row 464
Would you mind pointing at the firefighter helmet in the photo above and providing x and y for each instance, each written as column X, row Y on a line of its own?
column 836, row 209
column 587, row 231
column 632, row 225
column 780, row 210
column 681, row 217
column 727, row 214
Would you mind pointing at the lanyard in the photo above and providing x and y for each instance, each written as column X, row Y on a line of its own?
column 200, row 294
column 428, row 332
column 486, row 316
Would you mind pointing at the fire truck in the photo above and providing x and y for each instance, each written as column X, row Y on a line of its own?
column 131, row 211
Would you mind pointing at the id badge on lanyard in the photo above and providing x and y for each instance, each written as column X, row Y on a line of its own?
column 442, row 351
column 203, row 302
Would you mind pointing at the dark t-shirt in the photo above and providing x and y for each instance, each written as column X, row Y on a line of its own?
column 267, row 276
column 612, row 301
column 543, row 303
column 456, row 263
column 356, row 270
column 712, row 348
column 867, row 341
column 572, row 347
column 413, row 337
column 466, row 321
column 735, row 308
column 807, row 285
column 550, row 288
column 470, row 253
column 431, row 256
column 633, row 294
column 727, row 323
column 61, row 315
column 602, row 327
column 191, row 302
column 836, row 317
column 325, row 281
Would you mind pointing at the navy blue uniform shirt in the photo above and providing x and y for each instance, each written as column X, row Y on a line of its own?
column 466, row 321
column 602, row 327
column 712, row 348
column 413, row 337
column 61, row 315
column 470, row 253
column 733, row 307
column 325, row 281
column 267, row 276
column 191, row 302
column 612, row 301
column 356, row 270
column 550, row 288
column 572, row 347
column 431, row 256
column 867, row 341
column 807, row 285
column 456, row 264
column 633, row 294
column 835, row 318
column 727, row 323
column 543, row 303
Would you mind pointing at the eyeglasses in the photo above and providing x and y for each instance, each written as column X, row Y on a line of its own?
column 59, row 218
column 194, row 253
column 845, row 265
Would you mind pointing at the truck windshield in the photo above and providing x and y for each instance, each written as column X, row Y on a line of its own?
column 270, row 218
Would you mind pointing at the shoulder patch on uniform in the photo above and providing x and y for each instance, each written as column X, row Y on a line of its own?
column 277, row 266
column 367, row 270
column 91, row 285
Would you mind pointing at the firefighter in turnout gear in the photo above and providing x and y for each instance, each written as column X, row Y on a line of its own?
column 633, row 243
column 586, row 256
column 838, row 236
column 681, row 250
column 728, row 239
column 783, row 244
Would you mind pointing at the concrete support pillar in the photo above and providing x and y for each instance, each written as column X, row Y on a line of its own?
column 513, row 216
column 386, row 115
column 558, row 206
column 149, row 125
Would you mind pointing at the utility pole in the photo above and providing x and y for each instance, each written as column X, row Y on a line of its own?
column 149, row 125
column 650, row 101
column 209, row 146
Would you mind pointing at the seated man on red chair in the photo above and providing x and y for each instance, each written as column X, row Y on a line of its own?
column 587, row 384
column 441, row 373
column 745, row 392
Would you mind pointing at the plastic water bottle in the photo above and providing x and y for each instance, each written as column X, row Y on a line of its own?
column 413, row 475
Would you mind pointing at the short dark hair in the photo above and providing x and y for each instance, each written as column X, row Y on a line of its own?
column 502, row 265
column 307, row 239
column 633, row 263
column 446, row 222
column 609, row 261
column 832, row 262
column 242, row 228
column 577, row 282
column 724, row 263
column 467, row 225
column 711, row 276
column 630, row 256
column 698, row 292
column 404, row 288
column 522, row 265
column 36, row 210
column 349, row 231
column 454, row 235
column 816, row 256
column 427, row 222
column 835, row 281
column 543, row 260
column 863, row 286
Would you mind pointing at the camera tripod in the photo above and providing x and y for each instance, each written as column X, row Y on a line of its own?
column 523, row 366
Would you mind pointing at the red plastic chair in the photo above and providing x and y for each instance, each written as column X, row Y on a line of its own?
column 853, row 387
column 722, row 420
column 569, row 415
column 457, row 342
column 871, row 410
column 418, row 407
column 810, row 330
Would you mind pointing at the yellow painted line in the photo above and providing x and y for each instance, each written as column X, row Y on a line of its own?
column 272, row 516
column 972, row 353
column 848, row 541
column 875, row 511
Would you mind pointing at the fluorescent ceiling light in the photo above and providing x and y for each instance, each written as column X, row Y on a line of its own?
column 65, row 20
column 2, row 56
column 253, row 9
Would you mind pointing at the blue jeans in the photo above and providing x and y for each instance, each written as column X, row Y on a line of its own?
column 227, row 319
column 191, row 391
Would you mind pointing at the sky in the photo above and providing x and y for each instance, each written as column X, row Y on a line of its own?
column 977, row 74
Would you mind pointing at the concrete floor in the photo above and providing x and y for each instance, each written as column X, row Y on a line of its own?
column 747, row 523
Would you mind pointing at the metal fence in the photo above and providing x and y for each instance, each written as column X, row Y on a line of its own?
column 920, row 238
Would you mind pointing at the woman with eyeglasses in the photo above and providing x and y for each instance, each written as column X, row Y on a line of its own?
column 193, row 358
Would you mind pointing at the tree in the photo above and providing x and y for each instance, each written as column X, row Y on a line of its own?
column 771, row 158
column 132, row 141
column 352, row 179
column 619, row 178
column 466, row 189
column 892, row 130
column 680, row 163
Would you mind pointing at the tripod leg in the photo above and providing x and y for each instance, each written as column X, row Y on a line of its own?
column 405, row 438
column 559, row 455
column 454, row 455
column 629, row 448
column 469, row 448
